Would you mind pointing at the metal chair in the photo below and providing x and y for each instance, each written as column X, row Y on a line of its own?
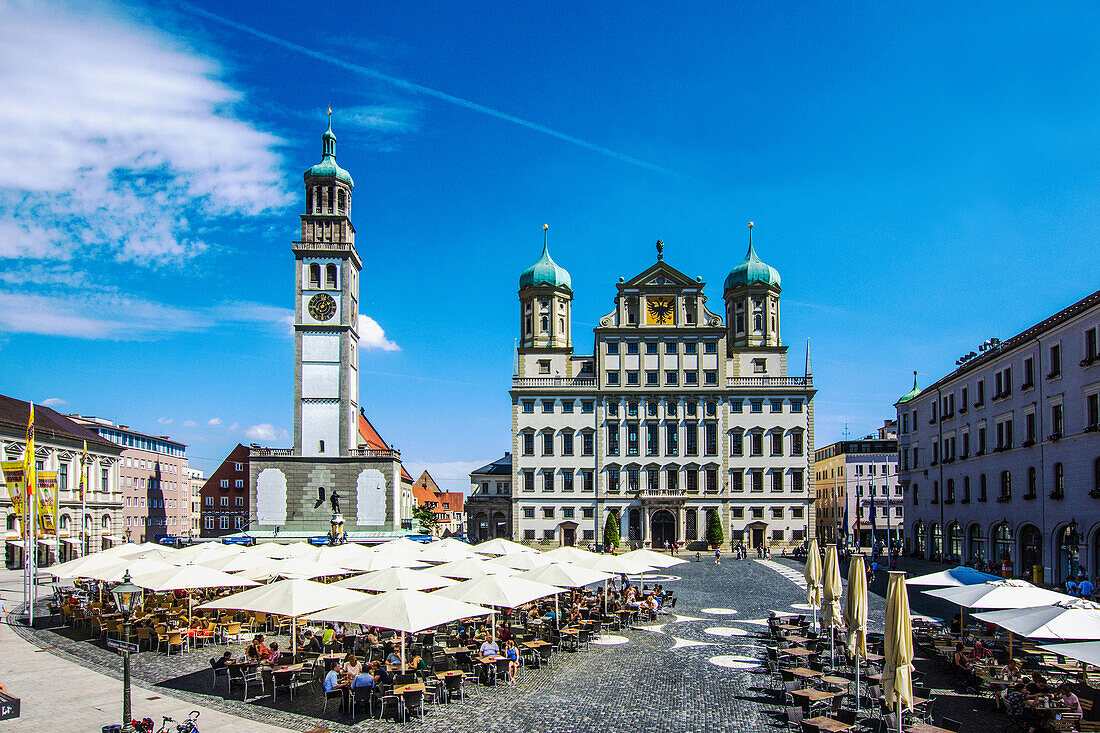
column 251, row 675
column 412, row 700
column 218, row 672
column 334, row 694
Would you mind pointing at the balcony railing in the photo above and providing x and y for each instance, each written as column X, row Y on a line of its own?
column 769, row 381
column 272, row 451
column 661, row 494
column 375, row 453
column 553, row 381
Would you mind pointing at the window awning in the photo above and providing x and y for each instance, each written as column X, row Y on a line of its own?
column 112, row 538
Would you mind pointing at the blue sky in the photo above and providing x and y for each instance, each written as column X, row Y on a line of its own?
column 923, row 177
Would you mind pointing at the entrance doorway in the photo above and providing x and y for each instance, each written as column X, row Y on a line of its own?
column 568, row 534
column 663, row 525
column 757, row 537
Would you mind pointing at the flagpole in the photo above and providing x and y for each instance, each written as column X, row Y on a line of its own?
column 83, row 492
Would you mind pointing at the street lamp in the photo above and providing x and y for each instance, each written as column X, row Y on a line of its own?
column 128, row 599
column 1072, row 542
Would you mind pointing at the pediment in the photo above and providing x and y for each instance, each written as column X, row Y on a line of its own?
column 662, row 275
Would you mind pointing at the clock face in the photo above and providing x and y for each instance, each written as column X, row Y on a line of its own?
column 322, row 307
column 660, row 311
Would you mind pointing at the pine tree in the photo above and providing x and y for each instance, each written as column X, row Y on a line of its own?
column 715, row 536
column 611, row 531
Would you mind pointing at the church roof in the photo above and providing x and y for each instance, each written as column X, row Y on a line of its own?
column 501, row 466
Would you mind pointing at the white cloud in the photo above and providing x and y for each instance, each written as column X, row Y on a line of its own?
column 371, row 336
column 120, row 139
column 214, row 421
column 266, row 433
column 189, row 423
column 164, row 420
column 234, row 426
column 54, row 402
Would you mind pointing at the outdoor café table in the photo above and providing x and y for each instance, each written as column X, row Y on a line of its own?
column 796, row 638
column 797, row 651
column 535, row 644
column 451, row 673
column 823, row 722
column 412, row 687
column 572, row 634
column 833, row 680
column 789, row 627
column 874, row 657
column 457, row 650
column 925, row 728
column 805, row 673
column 814, row 695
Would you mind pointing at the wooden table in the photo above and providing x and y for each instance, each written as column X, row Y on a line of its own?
column 805, row 673
column 535, row 644
column 445, row 675
column 823, row 722
column 925, row 728
column 413, row 687
column 834, row 680
column 797, row 639
column 813, row 695
column 789, row 627
column 457, row 650
column 797, row 651
column 874, row 657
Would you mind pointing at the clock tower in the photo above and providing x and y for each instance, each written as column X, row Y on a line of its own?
column 326, row 313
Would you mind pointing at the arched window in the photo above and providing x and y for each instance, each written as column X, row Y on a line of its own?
column 315, row 275
column 1006, row 485
column 330, row 276
column 331, row 198
column 758, row 322
column 976, row 543
column 545, row 324
column 317, row 200
column 106, row 521
column 64, row 521
column 309, row 200
column 1059, row 479
column 341, row 200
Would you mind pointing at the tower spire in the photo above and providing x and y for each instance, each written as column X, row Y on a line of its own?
column 328, row 140
column 751, row 225
column 809, row 369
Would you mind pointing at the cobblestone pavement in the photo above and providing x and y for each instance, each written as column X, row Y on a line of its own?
column 696, row 669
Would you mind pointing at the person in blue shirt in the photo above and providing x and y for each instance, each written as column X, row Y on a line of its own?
column 332, row 679
column 363, row 679
column 1085, row 587
column 513, row 660
column 1071, row 587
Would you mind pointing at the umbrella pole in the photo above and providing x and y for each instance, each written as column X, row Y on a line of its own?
column 1010, row 646
column 858, row 693
column 899, row 714
column 402, row 652
column 293, row 638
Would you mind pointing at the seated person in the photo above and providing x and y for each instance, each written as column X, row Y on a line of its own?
column 252, row 652
column 258, row 640
column 489, row 648
column 1011, row 671
column 311, row 643
column 1036, row 686
column 482, row 633
column 223, row 661
column 463, row 638
column 328, row 636
column 959, row 658
column 1070, row 699
column 394, row 658
column 533, row 614
column 956, row 624
column 332, row 677
column 352, row 666
column 1071, row 586
column 418, row 663
column 512, row 654
column 382, row 675
column 363, row 679
column 503, row 632
column 549, row 617
column 1018, row 708
column 981, row 652
column 273, row 654
column 372, row 637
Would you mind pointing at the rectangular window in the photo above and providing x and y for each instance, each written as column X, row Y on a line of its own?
column 586, row 480
column 613, row 480
column 528, row 405
column 208, row 523
column 528, row 480
column 1055, row 361
column 671, row 377
column 225, row 501
column 797, row 480
column 209, row 501
column 632, row 479
column 737, row 480
column 588, row 534
column 691, row 480
column 239, row 483
column 544, row 366
column 652, row 440
column 528, row 512
column 1029, row 373
column 710, row 439
column 240, row 501
column 223, row 522
column 691, row 379
column 796, row 443
column 710, row 347
column 739, row 512
column 612, row 377
column 712, row 480
column 776, row 405
column 548, row 480
column 689, row 348
column 672, row 444
column 587, row 406
column 567, row 444
column 756, row 443
column 548, row 444
column 1056, row 421
column 613, row 438
column 757, row 480
column 651, row 347
column 567, row 481
column 777, row 443
column 632, row 439
column 777, row 480
column 653, row 479
column 737, row 443
column 652, row 379
column 1092, row 411
column 567, row 405
column 632, row 378
column 796, row 405
column 672, row 479
column 710, row 378
column 548, row 534
column 548, row 405
column 632, row 348
column 528, row 444
column 737, row 406
column 691, row 439
column 587, row 444
column 756, row 406
column 1090, row 345
column 612, row 347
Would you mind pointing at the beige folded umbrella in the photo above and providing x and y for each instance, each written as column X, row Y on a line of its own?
column 897, row 669
column 832, row 587
column 812, row 573
column 855, row 614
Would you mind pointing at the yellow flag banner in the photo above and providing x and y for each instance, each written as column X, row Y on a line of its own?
column 13, row 479
column 47, row 502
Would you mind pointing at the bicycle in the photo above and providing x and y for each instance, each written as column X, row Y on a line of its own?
column 187, row 726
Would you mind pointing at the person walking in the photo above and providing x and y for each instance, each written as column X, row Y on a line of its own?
column 717, row 555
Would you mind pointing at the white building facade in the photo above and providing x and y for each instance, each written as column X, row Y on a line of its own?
column 675, row 415
column 859, row 499
column 1000, row 459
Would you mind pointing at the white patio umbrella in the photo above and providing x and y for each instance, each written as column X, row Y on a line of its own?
column 501, row 546
column 401, row 545
column 1086, row 652
column 653, row 559
column 113, row 572
column 276, row 550
column 471, row 567
column 409, row 611
column 237, row 563
column 1076, row 618
column 186, row 577
column 998, row 594
column 522, row 561
column 72, row 568
column 388, row 579
column 292, row 598
column 298, row 567
column 568, row 575
column 446, row 551
column 831, row 588
column 499, row 592
column 382, row 561
column 573, row 555
column 953, row 577
column 206, row 551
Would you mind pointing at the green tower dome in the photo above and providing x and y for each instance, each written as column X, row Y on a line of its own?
column 753, row 271
column 911, row 394
column 327, row 167
column 545, row 272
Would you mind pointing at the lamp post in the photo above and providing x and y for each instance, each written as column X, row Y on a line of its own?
column 128, row 599
column 1072, row 543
